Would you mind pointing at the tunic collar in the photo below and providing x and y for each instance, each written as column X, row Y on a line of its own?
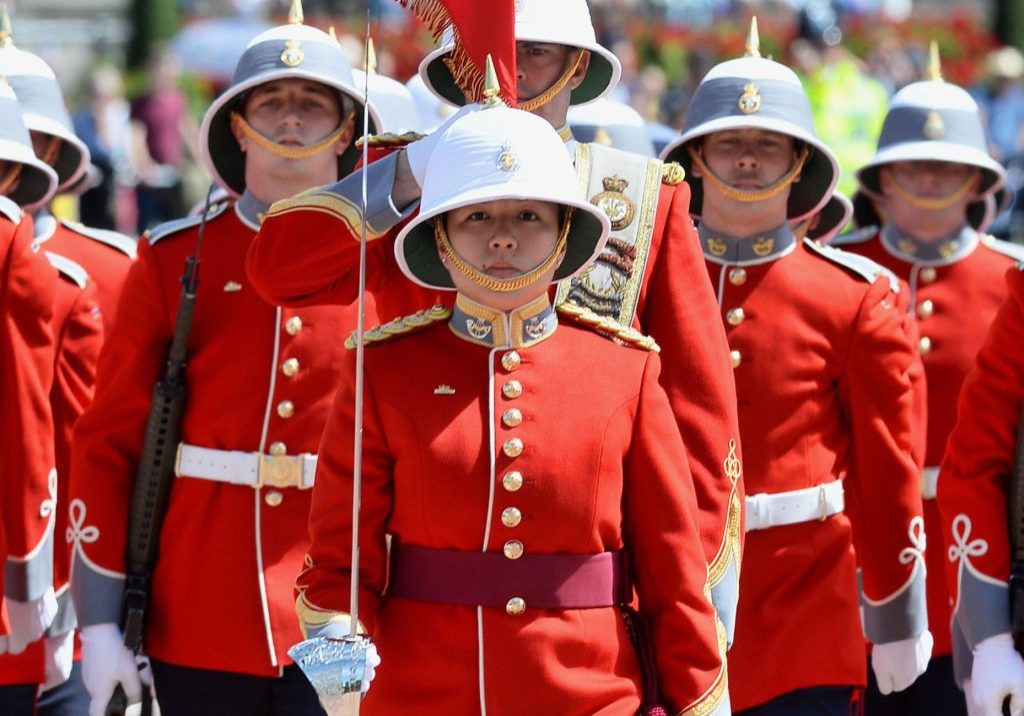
column 251, row 210
column 519, row 328
column 768, row 246
column 946, row 250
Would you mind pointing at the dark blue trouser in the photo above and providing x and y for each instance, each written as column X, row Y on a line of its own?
column 935, row 693
column 18, row 699
column 182, row 691
column 818, row 701
column 68, row 699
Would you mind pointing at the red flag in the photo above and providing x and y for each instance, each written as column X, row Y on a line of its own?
column 481, row 28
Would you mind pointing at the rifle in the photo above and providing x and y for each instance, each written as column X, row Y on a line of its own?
column 155, row 473
column 1015, row 517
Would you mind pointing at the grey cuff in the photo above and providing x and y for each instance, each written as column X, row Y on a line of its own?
column 983, row 609
column 97, row 596
column 381, row 213
column 725, row 596
column 903, row 616
column 28, row 580
column 65, row 620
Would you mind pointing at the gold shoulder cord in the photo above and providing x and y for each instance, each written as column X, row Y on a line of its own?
column 608, row 326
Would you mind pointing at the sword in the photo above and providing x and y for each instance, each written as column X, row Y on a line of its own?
column 334, row 666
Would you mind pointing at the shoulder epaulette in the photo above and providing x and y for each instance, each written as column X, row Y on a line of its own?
column 855, row 263
column 68, row 269
column 857, row 236
column 401, row 326
column 9, row 209
column 672, row 173
column 608, row 327
column 1006, row 248
column 115, row 239
column 172, row 227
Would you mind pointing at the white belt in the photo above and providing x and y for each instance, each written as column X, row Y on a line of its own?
column 929, row 483
column 253, row 469
column 789, row 508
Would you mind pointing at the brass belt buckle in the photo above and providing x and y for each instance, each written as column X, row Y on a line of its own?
column 279, row 471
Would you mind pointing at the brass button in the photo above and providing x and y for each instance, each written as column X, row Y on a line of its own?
column 510, row 361
column 293, row 325
column 512, row 481
column 513, row 549
column 738, row 276
column 273, row 498
column 925, row 309
column 515, row 606
column 512, row 418
column 928, row 275
column 278, row 448
column 924, row 346
column 512, row 389
column 511, row 517
column 735, row 316
column 286, row 408
column 736, row 357
column 513, row 447
column 290, row 367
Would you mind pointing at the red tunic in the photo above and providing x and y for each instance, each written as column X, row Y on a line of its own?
column 27, row 284
column 953, row 302
column 822, row 374
column 222, row 590
column 974, row 486
column 602, row 469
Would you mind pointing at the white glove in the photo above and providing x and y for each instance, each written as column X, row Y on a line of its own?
column 106, row 662
column 418, row 153
column 59, row 657
column 897, row 664
column 998, row 672
column 29, row 620
column 372, row 662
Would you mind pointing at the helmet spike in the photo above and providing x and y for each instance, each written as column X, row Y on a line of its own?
column 753, row 40
column 492, row 90
column 6, row 33
column 934, row 62
column 371, row 57
column 333, row 34
column 295, row 16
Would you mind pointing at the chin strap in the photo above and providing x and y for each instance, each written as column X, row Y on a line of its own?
column 758, row 194
column 238, row 122
column 9, row 179
column 942, row 202
column 544, row 97
column 492, row 283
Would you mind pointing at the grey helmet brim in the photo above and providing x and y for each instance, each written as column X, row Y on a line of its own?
column 262, row 63
column 44, row 111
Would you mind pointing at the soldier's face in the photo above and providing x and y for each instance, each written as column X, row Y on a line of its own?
column 927, row 180
column 538, row 66
column 293, row 112
column 749, row 159
column 504, row 239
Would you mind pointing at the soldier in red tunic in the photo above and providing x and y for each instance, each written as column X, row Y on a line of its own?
column 822, row 367
column 515, row 459
column 651, row 275
column 924, row 192
column 259, row 383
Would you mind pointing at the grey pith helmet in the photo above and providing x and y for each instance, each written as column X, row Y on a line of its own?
column 611, row 123
column 753, row 92
column 980, row 214
column 933, row 120
column 559, row 22
column 288, row 51
column 38, row 181
column 42, row 104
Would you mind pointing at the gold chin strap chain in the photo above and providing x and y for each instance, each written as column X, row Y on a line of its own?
column 10, row 178
column 758, row 194
column 52, row 149
column 239, row 122
column 491, row 283
column 941, row 202
column 544, row 97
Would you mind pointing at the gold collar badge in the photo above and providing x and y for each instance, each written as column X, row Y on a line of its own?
column 934, row 127
column 948, row 248
column 750, row 100
column 907, row 246
column 293, row 54
column 618, row 207
column 763, row 246
column 717, row 247
column 478, row 328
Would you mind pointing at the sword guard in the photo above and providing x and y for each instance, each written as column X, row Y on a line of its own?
column 335, row 669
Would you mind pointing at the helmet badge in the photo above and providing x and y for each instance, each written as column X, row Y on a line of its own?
column 934, row 127
column 750, row 100
column 293, row 54
column 507, row 160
